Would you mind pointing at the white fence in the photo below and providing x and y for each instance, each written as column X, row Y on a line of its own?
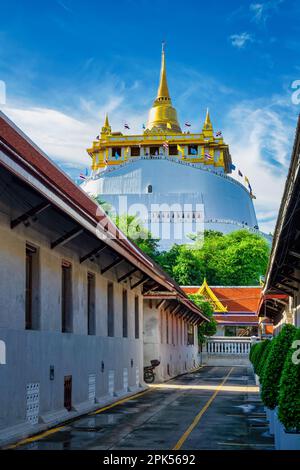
column 237, row 346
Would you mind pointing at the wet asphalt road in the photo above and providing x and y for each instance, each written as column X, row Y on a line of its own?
column 189, row 411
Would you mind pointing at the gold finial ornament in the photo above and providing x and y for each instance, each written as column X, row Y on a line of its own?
column 207, row 122
column 106, row 129
column 162, row 115
column 208, row 130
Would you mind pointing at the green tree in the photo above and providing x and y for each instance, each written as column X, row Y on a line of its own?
column 133, row 228
column 205, row 329
column 238, row 258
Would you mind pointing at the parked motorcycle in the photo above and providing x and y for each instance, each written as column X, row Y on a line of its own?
column 149, row 375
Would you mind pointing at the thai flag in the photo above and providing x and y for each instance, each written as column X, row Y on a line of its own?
column 126, row 126
column 219, row 134
column 207, row 156
column 166, row 145
column 188, row 124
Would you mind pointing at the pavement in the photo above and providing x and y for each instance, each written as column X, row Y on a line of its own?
column 212, row 408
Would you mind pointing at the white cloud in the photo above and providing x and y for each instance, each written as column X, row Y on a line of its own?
column 260, row 139
column 240, row 40
column 262, row 11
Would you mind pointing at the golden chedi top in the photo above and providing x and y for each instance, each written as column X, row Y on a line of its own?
column 162, row 115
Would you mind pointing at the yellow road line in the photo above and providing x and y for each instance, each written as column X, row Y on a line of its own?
column 200, row 414
column 35, row 438
column 124, row 400
column 54, row 430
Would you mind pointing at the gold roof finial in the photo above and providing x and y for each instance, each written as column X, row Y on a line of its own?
column 207, row 122
column 163, row 91
column 106, row 129
column 162, row 115
column 106, row 122
column 208, row 127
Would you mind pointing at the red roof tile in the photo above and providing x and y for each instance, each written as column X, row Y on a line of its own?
column 235, row 298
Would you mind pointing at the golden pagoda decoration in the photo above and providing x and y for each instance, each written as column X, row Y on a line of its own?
column 206, row 292
column 161, row 138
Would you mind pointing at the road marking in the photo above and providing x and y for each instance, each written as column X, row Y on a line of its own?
column 54, row 430
column 200, row 414
column 35, row 438
column 124, row 400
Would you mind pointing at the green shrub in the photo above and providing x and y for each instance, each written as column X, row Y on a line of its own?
column 253, row 347
column 289, row 390
column 261, row 362
column 274, row 365
column 258, row 350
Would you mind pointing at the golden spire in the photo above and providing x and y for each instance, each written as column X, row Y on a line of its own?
column 106, row 122
column 163, row 91
column 162, row 115
column 207, row 123
column 208, row 127
column 106, row 129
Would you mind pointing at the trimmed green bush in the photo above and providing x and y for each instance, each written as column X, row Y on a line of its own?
column 274, row 365
column 253, row 347
column 289, row 389
column 258, row 350
column 262, row 360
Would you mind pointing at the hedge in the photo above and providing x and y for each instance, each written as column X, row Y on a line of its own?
column 256, row 353
column 274, row 365
column 289, row 392
column 261, row 363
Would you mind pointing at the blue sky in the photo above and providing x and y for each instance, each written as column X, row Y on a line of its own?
column 65, row 63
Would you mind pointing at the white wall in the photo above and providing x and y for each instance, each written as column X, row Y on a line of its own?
column 175, row 355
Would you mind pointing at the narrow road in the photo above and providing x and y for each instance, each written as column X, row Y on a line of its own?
column 213, row 408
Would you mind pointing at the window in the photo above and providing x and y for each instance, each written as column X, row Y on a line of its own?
column 154, row 150
column 149, row 188
column 116, row 151
column 173, row 150
column 31, row 289
column 110, row 309
column 91, row 304
column 135, row 151
column 193, row 149
column 136, row 317
column 190, row 334
column 125, row 313
column 66, row 297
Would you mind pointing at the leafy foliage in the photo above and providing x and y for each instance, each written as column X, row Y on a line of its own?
column 280, row 346
column 289, row 390
column 238, row 258
column 262, row 360
column 132, row 227
column 205, row 329
column 257, row 352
